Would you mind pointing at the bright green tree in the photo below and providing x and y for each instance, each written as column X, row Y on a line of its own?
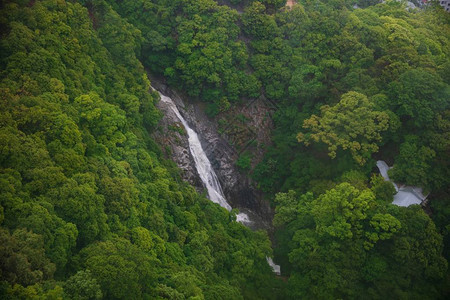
column 353, row 124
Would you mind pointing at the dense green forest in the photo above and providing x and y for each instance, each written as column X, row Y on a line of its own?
column 90, row 209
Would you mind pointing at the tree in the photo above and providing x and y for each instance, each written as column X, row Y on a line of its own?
column 82, row 286
column 344, row 243
column 418, row 95
column 286, row 210
column 413, row 164
column 383, row 190
column 340, row 211
column 305, row 83
column 352, row 125
column 121, row 268
column 257, row 23
column 23, row 259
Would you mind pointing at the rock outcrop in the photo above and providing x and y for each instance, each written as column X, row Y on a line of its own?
column 238, row 188
column 171, row 134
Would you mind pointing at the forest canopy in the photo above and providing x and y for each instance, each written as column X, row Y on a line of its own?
column 91, row 209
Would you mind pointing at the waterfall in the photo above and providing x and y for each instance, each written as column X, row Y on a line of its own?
column 406, row 195
column 383, row 167
column 207, row 174
column 203, row 165
column 275, row 268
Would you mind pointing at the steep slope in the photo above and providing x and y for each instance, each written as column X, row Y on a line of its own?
column 89, row 208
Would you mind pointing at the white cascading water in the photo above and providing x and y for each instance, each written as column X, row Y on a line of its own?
column 275, row 268
column 203, row 165
column 406, row 195
column 207, row 174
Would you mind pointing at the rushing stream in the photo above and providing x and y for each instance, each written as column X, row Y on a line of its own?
column 206, row 172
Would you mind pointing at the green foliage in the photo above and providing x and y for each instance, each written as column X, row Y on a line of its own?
column 379, row 74
column 383, row 190
column 412, row 165
column 87, row 200
column 82, row 286
column 351, row 124
column 244, row 161
column 418, row 94
column 122, row 270
column 88, row 208
column 346, row 242
column 178, row 128
column 257, row 23
column 23, row 258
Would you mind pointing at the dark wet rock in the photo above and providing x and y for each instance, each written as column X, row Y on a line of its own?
column 238, row 188
column 171, row 134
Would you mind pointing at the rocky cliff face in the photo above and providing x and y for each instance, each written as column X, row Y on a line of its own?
column 237, row 187
column 172, row 136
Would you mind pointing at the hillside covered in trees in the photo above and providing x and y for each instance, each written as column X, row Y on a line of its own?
column 91, row 209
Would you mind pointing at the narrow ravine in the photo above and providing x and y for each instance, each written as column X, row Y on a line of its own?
column 236, row 187
column 207, row 173
column 203, row 165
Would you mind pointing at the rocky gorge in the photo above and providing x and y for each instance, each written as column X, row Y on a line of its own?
column 238, row 187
